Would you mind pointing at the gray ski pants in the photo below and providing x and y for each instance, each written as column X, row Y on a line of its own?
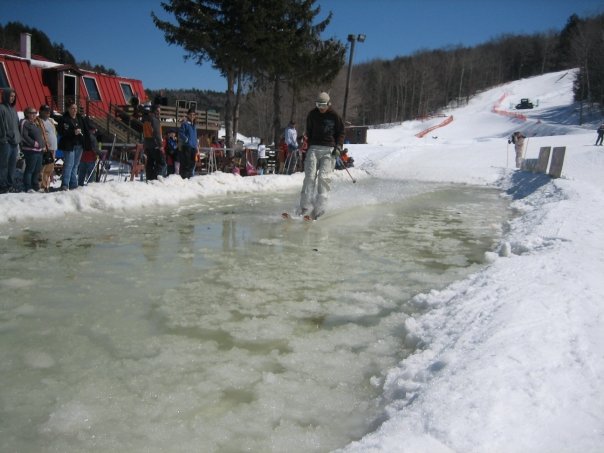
column 318, row 166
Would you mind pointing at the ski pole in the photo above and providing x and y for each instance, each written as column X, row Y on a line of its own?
column 94, row 169
column 346, row 168
column 507, row 155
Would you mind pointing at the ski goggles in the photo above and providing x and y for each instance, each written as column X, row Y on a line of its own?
column 322, row 105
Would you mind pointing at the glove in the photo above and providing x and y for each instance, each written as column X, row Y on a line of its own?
column 336, row 151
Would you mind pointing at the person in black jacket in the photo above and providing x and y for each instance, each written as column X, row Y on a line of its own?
column 325, row 131
column 600, row 132
column 74, row 138
column 153, row 143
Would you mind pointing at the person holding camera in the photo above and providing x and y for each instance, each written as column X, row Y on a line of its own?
column 518, row 140
column 74, row 138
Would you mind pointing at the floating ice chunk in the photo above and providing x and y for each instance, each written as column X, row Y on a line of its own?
column 39, row 359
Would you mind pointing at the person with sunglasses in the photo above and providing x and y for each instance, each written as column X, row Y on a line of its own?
column 325, row 132
column 32, row 141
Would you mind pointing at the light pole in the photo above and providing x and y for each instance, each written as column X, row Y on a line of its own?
column 352, row 39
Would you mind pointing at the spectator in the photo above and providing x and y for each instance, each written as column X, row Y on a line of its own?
column 518, row 140
column 89, row 158
column 74, row 137
column 291, row 138
column 32, row 142
column 600, row 132
column 325, row 131
column 10, row 138
column 262, row 162
column 187, row 136
column 153, row 141
column 282, row 155
column 172, row 162
column 49, row 130
column 344, row 161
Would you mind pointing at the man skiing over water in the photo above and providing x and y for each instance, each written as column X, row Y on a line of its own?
column 325, row 132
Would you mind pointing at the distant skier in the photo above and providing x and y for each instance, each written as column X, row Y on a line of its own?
column 325, row 131
column 518, row 140
column 600, row 132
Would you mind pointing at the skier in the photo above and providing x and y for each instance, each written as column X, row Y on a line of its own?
column 325, row 131
column 600, row 132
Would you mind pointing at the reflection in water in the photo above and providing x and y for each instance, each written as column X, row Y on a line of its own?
column 221, row 327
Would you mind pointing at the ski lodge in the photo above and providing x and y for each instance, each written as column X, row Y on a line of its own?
column 108, row 101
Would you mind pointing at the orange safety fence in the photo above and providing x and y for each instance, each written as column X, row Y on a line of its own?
column 498, row 111
column 430, row 129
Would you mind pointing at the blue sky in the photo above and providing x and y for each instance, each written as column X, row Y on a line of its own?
column 120, row 34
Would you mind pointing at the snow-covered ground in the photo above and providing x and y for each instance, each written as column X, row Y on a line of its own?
column 510, row 359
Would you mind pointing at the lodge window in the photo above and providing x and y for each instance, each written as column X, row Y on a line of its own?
column 3, row 77
column 92, row 88
column 127, row 90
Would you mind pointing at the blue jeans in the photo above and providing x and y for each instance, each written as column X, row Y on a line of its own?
column 8, row 165
column 33, row 165
column 71, row 162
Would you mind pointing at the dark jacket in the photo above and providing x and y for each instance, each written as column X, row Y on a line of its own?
column 152, row 138
column 9, row 120
column 67, row 128
column 32, row 137
column 324, row 129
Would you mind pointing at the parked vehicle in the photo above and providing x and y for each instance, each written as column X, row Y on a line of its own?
column 525, row 103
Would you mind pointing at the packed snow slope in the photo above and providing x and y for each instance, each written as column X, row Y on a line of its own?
column 510, row 359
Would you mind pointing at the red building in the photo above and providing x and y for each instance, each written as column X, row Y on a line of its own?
column 38, row 81
column 104, row 98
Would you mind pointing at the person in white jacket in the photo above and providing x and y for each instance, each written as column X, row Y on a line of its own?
column 518, row 140
column 291, row 139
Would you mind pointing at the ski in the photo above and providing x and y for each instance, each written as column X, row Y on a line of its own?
column 306, row 218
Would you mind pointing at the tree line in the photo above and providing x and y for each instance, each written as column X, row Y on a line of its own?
column 382, row 91
column 421, row 84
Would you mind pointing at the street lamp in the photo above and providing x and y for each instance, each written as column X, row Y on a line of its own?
column 352, row 39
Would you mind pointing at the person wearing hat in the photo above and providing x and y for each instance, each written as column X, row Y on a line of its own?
column 187, row 137
column 153, row 142
column 10, row 138
column 325, row 132
column 49, row 129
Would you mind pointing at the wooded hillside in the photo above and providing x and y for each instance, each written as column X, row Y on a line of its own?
column 407, row 87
